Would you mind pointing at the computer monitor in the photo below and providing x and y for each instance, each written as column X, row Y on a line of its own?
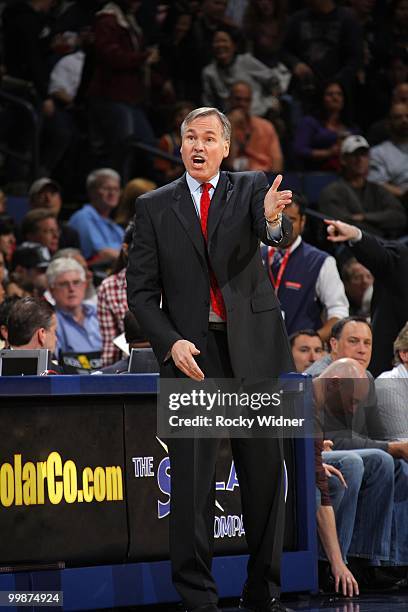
column 22, row 362
column 143, row 361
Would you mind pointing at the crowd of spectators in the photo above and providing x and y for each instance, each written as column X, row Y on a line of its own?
column 322, row 88
column 103, row 75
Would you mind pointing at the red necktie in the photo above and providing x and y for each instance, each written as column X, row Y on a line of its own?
column 217, row 301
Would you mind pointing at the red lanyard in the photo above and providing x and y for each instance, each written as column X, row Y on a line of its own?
column 276, row 283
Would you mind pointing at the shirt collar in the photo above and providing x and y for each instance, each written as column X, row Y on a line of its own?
column 402, row 371
column 295, row 244
column 195, row 185
column 88, row 310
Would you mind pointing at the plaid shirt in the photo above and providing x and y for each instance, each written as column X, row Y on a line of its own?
column 112, row 307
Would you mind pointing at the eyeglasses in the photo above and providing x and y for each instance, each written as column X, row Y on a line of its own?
column 68, row 284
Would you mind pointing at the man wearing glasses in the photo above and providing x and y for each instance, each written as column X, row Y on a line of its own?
column 78, row 327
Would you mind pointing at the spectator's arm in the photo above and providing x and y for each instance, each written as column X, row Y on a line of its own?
column 355, row 441
column 326, row 526
column 374, row 255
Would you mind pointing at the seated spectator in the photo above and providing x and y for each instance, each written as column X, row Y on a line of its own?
column 254, row 142
column 29, row 263
column 125, row 211
column 400, row 356
column 46, row 193
column 306, row 279
column 323, row 41
column 78, row 328
column 350, row 337
column 136, row 340
column 112, row 302
column 187, row 46
column 117, row 88
column 229, row 66
column 365, row 521
column 40, row 225
column 307, row 347
column 90, row 294
column 318, row 137
column 7, row 238
column 392, row 393
column 32, row 324
column 381, row 130
column 389, row 160
column 366, row 478
column 358, row 283
column 354, row 199
column 171, row 143
column 100, row 237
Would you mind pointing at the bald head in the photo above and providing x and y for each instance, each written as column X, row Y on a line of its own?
column 344, row 368
column 341, row 386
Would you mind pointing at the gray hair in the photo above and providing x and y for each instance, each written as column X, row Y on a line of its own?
column 96, row 177
column 208, row 111
column 67, row 252
column 401, row 343
column 63, row 264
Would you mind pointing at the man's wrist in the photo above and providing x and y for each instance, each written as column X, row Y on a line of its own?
column 357, row 237
column 274, row 221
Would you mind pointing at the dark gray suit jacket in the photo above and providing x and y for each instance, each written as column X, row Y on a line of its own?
column 169, row 259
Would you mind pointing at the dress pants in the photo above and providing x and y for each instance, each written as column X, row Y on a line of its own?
column 259, row 467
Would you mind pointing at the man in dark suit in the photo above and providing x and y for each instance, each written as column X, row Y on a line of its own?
column 219, row 318
column 388, row 262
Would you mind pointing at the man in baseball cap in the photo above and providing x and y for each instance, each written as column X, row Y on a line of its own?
column 46, row 193
column 356, row 200
column 28, row 265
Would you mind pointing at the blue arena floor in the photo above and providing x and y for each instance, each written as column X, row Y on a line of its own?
column 389, row 602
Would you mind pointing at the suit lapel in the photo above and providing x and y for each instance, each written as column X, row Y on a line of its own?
column 219, row 203
column 184, row 208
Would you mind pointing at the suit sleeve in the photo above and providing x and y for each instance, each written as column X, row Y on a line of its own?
column 144, row 285
column 381, row 260
column 260, row 187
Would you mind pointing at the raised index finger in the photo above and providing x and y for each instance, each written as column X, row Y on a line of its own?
column 276, row 182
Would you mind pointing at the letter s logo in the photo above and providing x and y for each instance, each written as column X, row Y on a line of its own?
column 164, row 482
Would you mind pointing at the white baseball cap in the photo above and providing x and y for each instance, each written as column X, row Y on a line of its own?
column 352, row 143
